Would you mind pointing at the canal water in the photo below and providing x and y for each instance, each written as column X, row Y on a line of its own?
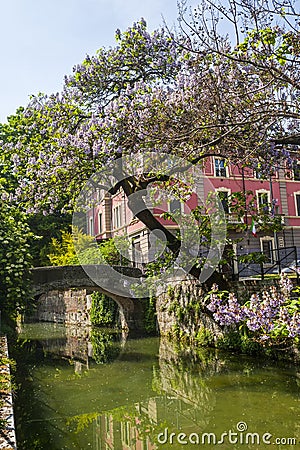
column 96, row 389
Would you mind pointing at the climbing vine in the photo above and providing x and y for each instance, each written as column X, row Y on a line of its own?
column 104, row 310
column 150, row 315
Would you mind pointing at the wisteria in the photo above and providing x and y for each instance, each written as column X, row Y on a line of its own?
column 269, row 315
column 190, row 94
column 152, row 91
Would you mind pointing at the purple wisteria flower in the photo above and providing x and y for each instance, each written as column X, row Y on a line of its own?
column 285, row 284
column 225, row 313
column 269, row 314
column 294, row 325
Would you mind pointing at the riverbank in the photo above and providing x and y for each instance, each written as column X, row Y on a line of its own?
column 7, row 426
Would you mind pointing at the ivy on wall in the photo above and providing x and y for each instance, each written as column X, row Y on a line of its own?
column 104, row 310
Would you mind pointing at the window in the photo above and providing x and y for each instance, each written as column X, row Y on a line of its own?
column 117, row 216
column 136, row 251
column 100, row 222
column 174, row 206
column 263, row 201
column 125, row 434
column 224, row 199
column 220, row 167
column 107, row 425
column 267, row 245
column 296, row 170
column 258, row 174
column 91, row 226
column 297, row 201
column 100, row 194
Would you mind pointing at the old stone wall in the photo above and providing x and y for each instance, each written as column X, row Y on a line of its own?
column 179, row 309
column 245, row 288
column 71, row 307
column 179, row 304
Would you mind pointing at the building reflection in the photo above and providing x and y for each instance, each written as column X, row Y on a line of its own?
column 150, row 385
column 183, row 402
column 113, row 434
column 179, row 397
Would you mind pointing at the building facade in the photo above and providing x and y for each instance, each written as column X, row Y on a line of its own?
column 112, row 215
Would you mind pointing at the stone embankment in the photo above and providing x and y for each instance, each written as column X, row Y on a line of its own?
column 7, row 426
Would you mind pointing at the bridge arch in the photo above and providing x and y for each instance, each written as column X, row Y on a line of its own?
column 63, row 278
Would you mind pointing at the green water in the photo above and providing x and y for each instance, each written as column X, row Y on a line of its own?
column 83, row 389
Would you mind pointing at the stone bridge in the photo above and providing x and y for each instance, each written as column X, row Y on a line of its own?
column 63, row 278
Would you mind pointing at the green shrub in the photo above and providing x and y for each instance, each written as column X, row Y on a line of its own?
column 230, row 341
column 15, row 261
column 78, row 248
column 204, row 337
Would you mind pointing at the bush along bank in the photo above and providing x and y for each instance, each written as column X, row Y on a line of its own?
column 268, row 323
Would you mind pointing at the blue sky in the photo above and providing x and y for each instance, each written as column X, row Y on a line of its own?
column 43, row 39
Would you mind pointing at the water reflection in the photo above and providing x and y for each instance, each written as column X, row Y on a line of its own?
column 180, row 399
column 93, row 389
column 79, row 345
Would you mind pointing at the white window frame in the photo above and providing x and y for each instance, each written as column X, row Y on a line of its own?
column 117, row 216
column 262, row 191
column 297, row 213
column 215, row 169
column 224, row 189
column 293, row 171
column 269, row 239
column 91, row 225
column 258, row 175
column 100, row 194
column 136, row 249
column 181, row 205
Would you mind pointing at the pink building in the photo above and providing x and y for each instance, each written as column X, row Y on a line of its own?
column 112, row 216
